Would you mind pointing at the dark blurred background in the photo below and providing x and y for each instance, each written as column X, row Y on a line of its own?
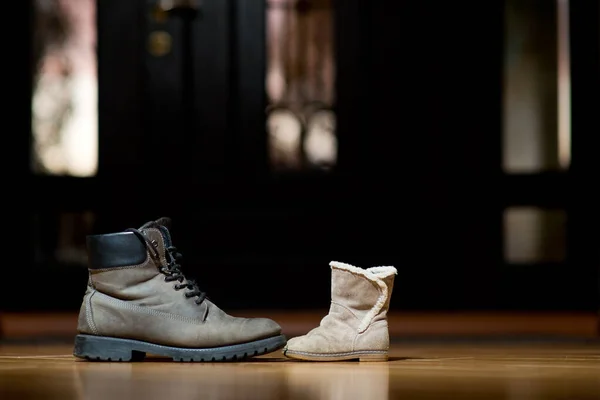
column 457, row 141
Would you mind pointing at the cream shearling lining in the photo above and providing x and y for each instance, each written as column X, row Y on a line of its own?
column 375, row 275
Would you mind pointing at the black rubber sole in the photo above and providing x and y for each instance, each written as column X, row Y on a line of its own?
column 101, row 348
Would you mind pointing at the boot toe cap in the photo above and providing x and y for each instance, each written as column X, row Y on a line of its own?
column 260, row 328
column 307, row 344
column 293, row 344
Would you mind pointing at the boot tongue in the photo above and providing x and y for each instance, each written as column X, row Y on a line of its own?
column 163, row 224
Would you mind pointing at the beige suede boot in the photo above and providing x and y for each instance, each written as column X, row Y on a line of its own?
column 356, row 326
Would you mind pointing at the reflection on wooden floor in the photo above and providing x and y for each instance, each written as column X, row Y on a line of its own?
column 422, row 370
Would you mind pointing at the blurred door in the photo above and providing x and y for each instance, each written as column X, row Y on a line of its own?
column 335, row 130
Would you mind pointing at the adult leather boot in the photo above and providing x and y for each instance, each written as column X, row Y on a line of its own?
column 356, row 326
column 138, row 301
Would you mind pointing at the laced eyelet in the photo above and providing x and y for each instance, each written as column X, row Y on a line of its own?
column 172, row 271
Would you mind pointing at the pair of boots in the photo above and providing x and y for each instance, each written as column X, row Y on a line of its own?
column 138, row 301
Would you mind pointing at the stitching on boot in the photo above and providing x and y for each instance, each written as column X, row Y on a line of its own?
column 89, row 316
column 347, row 353
column 90, row 280
column 149, row 311
column 96, row 271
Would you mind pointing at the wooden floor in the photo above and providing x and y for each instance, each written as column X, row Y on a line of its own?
column 449, row 369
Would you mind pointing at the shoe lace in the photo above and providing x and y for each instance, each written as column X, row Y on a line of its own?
column 172, row 270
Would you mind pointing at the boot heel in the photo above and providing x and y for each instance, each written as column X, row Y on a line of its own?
column 98, row 348
column 373, row 358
